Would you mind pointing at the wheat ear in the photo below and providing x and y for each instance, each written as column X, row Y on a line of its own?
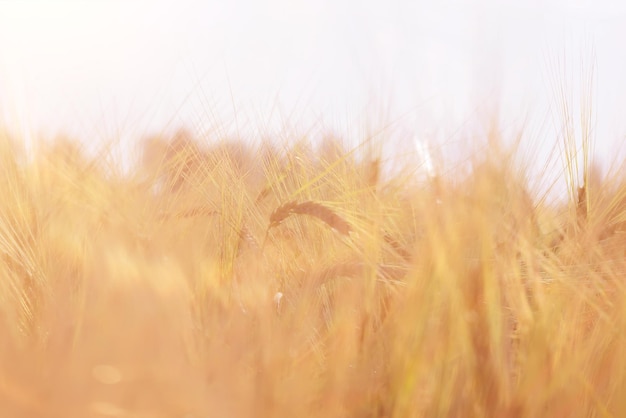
column 310, row 208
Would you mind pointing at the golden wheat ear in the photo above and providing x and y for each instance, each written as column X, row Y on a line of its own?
column 310, row 208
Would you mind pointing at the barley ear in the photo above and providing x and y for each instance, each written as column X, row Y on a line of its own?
column 313, row 209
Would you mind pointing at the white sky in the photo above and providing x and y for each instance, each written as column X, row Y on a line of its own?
column 100, row 69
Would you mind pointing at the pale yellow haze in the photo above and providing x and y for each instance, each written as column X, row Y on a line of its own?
column 97, row 69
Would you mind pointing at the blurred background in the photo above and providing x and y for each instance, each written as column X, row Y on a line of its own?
column 429, row 71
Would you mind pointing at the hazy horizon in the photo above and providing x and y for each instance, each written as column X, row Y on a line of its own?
column 99, row 70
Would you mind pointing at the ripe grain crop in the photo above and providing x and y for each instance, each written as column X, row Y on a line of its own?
column 214, row 278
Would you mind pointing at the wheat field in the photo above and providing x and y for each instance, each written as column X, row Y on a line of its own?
column 232, row 280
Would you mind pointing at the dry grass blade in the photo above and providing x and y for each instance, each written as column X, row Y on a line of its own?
column 310, row 208
column 581, row 205
column 190, row 213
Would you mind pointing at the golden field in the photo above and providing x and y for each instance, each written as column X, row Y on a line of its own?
column 232, row 280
